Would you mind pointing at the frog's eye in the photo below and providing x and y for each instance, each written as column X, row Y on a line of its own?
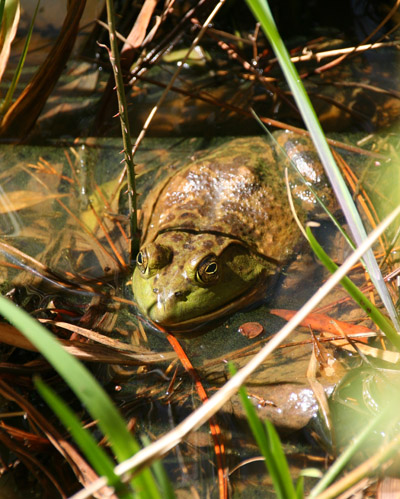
column 141, row 261
column 207, row 270
column 152, row 258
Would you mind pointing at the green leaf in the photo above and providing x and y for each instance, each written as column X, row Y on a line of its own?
column 311, row 473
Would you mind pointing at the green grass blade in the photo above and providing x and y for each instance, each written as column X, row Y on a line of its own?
column 86, row 388
column 262, row 12
column 164, row 482
column 254, row 421
column 300, row 487
column 373, row 312
column 279, row 458
column 14, row 82
column 97, row 457
column 270, row 447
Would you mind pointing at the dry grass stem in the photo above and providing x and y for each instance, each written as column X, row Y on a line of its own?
column 310, row 55
column 175, row 76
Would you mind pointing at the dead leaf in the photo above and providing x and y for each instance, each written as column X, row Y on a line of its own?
column 251, row 329
column 85, row 351
column 138, row 32
column 19, row 200
column 322, row 322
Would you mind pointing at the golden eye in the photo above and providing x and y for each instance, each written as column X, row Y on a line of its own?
column 141, row 261
column 207, row 270
column 153, row 257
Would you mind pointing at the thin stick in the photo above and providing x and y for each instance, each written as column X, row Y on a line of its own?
column 309, row 54
column 175, row 76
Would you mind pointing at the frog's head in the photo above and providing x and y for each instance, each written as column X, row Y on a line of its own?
column 183, row 279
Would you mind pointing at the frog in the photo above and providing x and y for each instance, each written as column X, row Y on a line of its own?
column 215, row 231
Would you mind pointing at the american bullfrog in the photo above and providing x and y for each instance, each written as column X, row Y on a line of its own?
column 214, row 230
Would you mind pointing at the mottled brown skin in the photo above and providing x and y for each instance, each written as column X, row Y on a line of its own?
column 235, row 190
column 216, row 228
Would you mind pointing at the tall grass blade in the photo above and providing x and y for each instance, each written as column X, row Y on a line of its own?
column 263, row 14
column 8, row 27
column 277, row 456
column 300, row 488
column 270, row 446
column 86, row 388
column 100, row 461
column 164, row 482
column 14, row 82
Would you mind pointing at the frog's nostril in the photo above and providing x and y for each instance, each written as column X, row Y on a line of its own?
column 181, row 295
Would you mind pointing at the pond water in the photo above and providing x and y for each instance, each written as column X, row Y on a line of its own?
column 64, row 250
column 73, row 266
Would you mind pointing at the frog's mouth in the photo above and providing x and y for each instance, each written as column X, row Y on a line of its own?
column 194, row 324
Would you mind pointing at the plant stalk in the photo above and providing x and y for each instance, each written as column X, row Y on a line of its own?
column 126, row 136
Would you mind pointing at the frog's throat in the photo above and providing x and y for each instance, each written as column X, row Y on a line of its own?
column 248, row 297
column 217, row 233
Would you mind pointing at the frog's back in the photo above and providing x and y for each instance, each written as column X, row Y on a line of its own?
column 235, row 190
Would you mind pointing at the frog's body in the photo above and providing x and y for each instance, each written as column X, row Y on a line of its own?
column 214, row 230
